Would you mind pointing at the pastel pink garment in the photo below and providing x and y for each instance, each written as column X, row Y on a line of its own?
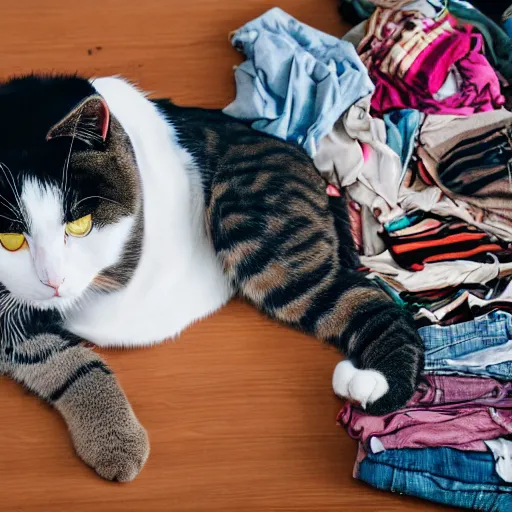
column 410, row 58
column 456, row 412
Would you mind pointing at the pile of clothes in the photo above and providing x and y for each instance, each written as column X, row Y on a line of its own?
column 410, row 117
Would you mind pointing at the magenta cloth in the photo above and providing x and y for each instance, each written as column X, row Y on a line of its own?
column 408, row 79
column 456, row 412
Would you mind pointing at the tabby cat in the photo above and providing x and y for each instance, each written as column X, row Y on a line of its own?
column 123, row 220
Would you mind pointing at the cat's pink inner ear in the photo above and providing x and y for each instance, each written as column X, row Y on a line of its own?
column 90, row 117
column 105, row 120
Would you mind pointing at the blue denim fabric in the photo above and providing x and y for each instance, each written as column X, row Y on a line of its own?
column 296, row 81
column 453, row 477
column 444, row 345
column 402, row 128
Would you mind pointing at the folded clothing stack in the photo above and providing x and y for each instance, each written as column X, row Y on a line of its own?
column 407, row 117
column 451, row 443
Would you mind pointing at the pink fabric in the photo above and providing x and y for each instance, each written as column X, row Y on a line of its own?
column 367, row 150
column 356, row 227
column 457, row 412
column 453, row 48
column 332, row 191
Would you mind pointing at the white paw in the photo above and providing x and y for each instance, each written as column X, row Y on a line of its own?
column 363, row 386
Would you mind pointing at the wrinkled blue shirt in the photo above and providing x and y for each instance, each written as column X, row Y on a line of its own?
column 297, row 81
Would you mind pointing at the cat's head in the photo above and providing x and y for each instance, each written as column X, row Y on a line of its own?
column 70, row 200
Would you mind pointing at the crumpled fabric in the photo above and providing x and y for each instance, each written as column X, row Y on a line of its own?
column 456, row 412
column 356, row 34
column 430, row 198
column 428, row 5
column 402, row 130
column 502, row 452
column 436, row 275
column 410, row 58
column 356, row 151
column 439, row 134
column 480, row 360
column 498, row 44
column 296, row 81
column 474, row 167
column 437, row 129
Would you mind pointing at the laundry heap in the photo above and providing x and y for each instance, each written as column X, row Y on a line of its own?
column 409, row 116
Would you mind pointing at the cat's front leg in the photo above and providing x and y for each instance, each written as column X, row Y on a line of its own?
column 104, row 429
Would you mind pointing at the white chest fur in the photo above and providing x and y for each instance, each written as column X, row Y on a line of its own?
column 179, row 279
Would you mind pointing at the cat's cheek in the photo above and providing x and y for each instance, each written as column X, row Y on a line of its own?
column 18, row 275
column 74, row 285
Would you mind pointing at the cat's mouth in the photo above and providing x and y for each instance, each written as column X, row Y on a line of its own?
column 55, row 302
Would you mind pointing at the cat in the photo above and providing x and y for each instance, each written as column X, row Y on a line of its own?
column 123, row 220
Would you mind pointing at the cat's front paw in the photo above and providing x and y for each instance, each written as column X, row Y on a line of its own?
column 362, row 386
column 115, row 452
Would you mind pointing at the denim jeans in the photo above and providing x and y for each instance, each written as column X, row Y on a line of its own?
column 297, row 81
column 481, row 347
column 456, row 478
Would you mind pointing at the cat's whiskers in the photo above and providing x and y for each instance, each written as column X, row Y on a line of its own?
column 9, row 205
column 88, row 134
column 11, row 219
column 75, row 205
column 65, row 170
column 12, row 184
column 9, row 308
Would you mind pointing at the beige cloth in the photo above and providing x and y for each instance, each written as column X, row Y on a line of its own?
column 436, row 275
column 372, row 181
column 439, row 133
column 355, row 35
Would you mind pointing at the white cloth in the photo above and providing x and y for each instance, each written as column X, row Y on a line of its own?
column 502, row 452
column 431, row 199
column 356, row 34
column 481, row 359
column 355, row 155
column 435, row 275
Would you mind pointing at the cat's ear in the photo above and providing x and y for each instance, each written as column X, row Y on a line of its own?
column 88, row 121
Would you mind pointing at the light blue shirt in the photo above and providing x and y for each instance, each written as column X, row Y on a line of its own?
column 297, row 81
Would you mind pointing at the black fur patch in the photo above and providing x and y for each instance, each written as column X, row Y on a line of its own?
column 95, row 176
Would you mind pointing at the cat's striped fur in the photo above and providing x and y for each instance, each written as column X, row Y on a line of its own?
column 73, row 379
column 287, row 253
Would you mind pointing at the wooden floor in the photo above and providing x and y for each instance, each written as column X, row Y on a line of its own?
column 240, row 411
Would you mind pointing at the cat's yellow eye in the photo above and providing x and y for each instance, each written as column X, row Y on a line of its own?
column 12, row 241
column 80, row 227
